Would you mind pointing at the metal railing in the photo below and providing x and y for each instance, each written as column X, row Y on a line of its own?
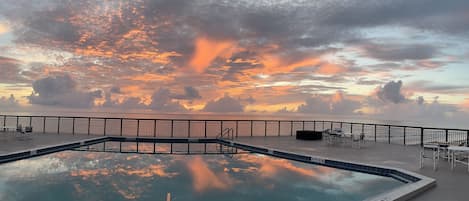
column 193, row 128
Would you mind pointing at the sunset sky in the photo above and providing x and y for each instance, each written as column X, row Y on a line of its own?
column 389, row 58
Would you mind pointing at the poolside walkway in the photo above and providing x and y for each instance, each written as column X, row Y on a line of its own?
column 13, row 142
column 451, row 185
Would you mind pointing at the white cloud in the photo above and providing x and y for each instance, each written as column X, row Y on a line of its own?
column 224, row 104
column 61, row 91
column 391, row 92
column 337, row 103
column 8, row 102
column 162, row 101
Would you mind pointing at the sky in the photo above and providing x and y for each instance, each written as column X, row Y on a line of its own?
column 392, row 59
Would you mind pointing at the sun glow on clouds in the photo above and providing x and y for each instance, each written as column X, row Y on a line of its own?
column 149, row 77
column 466, row 104
column 207, row 50
column 3, row 28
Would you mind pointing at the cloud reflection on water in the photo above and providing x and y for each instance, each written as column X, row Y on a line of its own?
column 200, row 177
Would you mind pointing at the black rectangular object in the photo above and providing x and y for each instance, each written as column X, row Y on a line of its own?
column 308, row 135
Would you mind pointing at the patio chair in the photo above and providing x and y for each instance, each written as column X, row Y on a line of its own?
column 28, row 129
column 326, row 134
column 358, row 140
column 459, row 153
column 434, row 148
column 19, row 128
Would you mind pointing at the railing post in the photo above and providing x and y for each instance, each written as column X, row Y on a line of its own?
column 251, row 128
column 89, row 125
column 237, row 122
column 44, row 125
column 323, row 122
column 446, row 135
column 30, row 121
column 73, row 125
column 265, row 128
column 154, row 133
column 375, row 132
column 4, row 121
column 314, row 125
column 467, row 138
column 189, row 129
column 221, row 127
column 105, row 125
column 122, row 126
column 278, row 128
column 389, row 134
column 172, row 129
column 405, row 129
column 291, row 128
column 58, row 125
column 421, row 136
column 304, row 125
column 138, row 127
column 332, row 125
column 17, row 121
column 205, row 128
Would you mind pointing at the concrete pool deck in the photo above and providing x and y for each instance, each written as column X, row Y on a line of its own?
column 13, row 142
column 451, row 185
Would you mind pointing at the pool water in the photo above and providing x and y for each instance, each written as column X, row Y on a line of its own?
column 84, row 175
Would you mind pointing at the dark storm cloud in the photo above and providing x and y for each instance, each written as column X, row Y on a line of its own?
column 426, row 14
column 61, row 91
column 161, row 101
column 293, row 24
column 391, row 92
column 400, row 52
column 363, row 81
column 10, row 71
column 429, row 86
column 190, row 93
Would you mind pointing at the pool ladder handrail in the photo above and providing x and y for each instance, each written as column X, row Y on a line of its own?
column 229, row 132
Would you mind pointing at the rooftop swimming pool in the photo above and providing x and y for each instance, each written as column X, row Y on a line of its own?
column 180, row 171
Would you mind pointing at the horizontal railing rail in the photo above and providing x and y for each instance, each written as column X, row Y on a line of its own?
column 211, row 128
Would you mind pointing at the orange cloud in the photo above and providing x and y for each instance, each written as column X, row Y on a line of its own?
column 269, row 167
column 205, row 179
column 466, row 103
column 330, row 69
column 207, row 50
column 3, row 28
column 276, row 64
column 148, row 77
column 338, row 97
